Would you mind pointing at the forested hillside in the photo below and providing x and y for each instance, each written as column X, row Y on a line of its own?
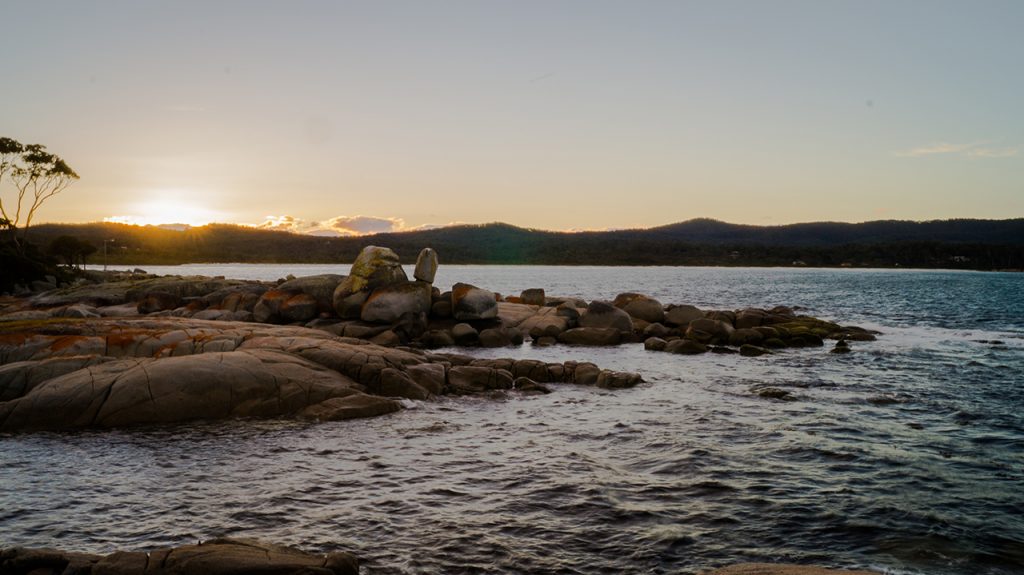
column 967, row 244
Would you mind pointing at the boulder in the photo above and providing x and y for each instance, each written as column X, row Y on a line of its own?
column 426, row 266
column 374, row 267
column 386, row 338
column 465, row 379
column 472, row 303
column 441, row 309
column 350, row 306
column 437, row 338
column 682, row 315
column 608, row 379
column 320, row 287
column 745, row 335
column 298, row 308
column 656, row 330
column 591, row 336
column 157, row 301
column 748, row 350
column 398, row 383
column 500, row 337
column 218, row 385
column 514, row 314
column 389, row 303
column 570, row 312
column 641, row 307
column 655, row 344
column 841, row 347
column 533, row 296
column 585, row 373
column 355, row 406
column 725, row 316
column 267, row 309
column 707, row 330
column 685, row 347
column 429, row 376
column 465, row 334
column 602, row 314
column 527, row 385
column 750, row 318
column 545, row 322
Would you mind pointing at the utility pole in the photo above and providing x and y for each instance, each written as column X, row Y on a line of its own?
column 105, row 242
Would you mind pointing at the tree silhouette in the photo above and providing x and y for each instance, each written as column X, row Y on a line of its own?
column 71, row 249
column 36, row 176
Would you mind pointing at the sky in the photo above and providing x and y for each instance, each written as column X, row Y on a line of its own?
column 356, row 117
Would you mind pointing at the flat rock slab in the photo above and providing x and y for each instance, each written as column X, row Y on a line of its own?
column 67, row 373
column 216, row 557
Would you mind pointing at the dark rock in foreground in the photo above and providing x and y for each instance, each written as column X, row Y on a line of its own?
column 216, row 557
column 781, row 569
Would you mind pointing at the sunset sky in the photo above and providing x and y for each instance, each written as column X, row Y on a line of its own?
column 352, row 117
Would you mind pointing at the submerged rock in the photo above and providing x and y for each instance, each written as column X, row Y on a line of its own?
column 215, row 557
column 781, row 569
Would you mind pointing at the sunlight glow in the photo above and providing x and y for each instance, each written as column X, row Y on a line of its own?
column 168, row 211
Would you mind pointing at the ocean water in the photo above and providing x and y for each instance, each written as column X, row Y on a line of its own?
column 905, row 456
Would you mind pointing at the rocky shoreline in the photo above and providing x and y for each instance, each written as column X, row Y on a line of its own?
column 377, row 302
column 241, row 556
column 138, row 349
column 141, row 349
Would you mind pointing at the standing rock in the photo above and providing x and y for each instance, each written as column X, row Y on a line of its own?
column 387, row 304
column 426, row 266
column 374, row 267
column 471, row 303
column 604, row 314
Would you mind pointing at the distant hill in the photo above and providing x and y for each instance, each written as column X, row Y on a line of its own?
column 962, row 243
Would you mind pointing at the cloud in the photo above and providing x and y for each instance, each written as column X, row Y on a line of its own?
column 287, row 224
column 971, row 150
column 937, row 148
column 343, row 225
column 364, row 225
column 992, row 152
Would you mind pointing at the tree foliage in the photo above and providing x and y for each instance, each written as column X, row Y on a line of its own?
column 35, row 175
column 71, row 250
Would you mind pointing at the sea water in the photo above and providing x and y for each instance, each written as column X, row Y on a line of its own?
column 905, row 456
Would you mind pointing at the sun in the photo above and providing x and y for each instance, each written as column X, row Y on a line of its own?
column 172, row 207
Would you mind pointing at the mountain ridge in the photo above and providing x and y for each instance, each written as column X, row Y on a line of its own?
column 970, row 243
